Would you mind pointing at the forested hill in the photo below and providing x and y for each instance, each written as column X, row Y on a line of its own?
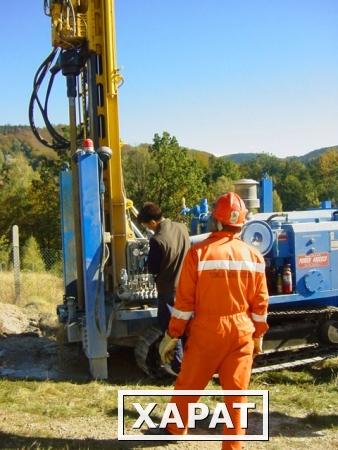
column 163, row 172
column 316, row 153
column 14, row 138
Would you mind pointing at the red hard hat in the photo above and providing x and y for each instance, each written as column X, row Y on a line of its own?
column 230, row 210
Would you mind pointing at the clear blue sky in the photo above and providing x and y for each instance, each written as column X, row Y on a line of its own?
column 222, row 76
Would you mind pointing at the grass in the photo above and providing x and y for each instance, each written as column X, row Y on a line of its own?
column 301, row 403
column 314, row 389
column 40, row 288
column 83, row 415
column 60, row 399
column 41, row 291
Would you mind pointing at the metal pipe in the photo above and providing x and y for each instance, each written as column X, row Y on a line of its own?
column 76, row 202
column 137, row 232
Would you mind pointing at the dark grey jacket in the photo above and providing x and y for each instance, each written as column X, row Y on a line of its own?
column 168, row 248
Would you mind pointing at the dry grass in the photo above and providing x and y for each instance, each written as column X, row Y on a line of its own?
column 57, row 399
column 83, row 415
column 39, row 291
column 48, row 414
column 7, row 293
column 43, row 290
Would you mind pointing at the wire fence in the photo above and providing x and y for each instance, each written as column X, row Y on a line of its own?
column 34, row 276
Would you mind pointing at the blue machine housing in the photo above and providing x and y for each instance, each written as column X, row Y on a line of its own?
column 307, row 240
column 309, row 243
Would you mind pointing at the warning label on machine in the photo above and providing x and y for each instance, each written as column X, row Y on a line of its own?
column 313, row 260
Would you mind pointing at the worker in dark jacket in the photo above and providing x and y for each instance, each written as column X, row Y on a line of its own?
column 168, row 247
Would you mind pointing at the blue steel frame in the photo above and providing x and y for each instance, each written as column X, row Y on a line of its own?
column 266, row 195
column 95, row 339
column 68, row 233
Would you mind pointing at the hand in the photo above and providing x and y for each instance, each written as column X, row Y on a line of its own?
column 167, row 348
column 258, row 346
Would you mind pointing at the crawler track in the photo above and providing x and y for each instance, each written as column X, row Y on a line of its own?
column 287, row 359
column 281, row 356
column 301, row 355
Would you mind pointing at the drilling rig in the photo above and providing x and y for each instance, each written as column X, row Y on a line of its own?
column 109, row 297
column 108, row 292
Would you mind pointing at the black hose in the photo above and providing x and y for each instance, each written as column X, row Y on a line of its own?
column 58, row 141
column 277, row 215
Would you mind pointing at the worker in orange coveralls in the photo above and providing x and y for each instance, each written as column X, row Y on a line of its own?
column 222, row 295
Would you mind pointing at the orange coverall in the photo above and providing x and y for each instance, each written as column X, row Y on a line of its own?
column 222, row 295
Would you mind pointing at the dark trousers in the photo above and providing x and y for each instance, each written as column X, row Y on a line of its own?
column 165, row 303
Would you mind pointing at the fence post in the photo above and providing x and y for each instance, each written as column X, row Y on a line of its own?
column 16, row 262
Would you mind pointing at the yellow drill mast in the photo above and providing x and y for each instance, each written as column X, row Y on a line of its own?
column 87, row 27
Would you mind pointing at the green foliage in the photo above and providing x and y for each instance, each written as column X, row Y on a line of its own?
column 136, row 165
column 31, row 258
column 2, row 159
column 292, row 180
column 242, row 158
column 315, row 154
column 45, row 209
column 222, row 185
column 15, row 203
column 277, row 202
column 222, row 172
column 4, row 252
column 163, row 172
column 223, row 167
column 324, row 172
column 264, row 164
column 296, row 187
column 29, row 194
column 57, row 268
column 173, row 174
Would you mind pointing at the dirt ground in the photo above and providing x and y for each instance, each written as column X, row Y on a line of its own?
column 29, row 350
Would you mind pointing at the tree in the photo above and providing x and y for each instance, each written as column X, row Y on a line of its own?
column 29, row 186
column 295, row 186
column 136, row 168
column 4, row 252
column 277, row 202
column 223, row 167
column 2, row 159
column 15, row 200
column 291, row 179
column 31, row 258
column 264, row 164
column 297, row 194
column 324, row 171
column 173, row 175
column 45, row 205
column 220, row 186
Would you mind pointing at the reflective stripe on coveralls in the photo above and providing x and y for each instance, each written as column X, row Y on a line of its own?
column 259, row 317
column 231, row 265
column 185, row 315
column 222, row 276
column 223, row 284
